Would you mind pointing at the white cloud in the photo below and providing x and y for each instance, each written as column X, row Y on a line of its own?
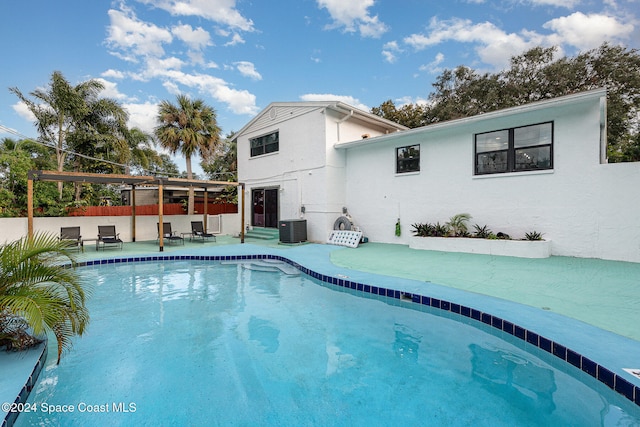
column 196, row 39
column 493, row 45
column 433, row 67
column 134, row 37
column 142, row 116
column 238, row 101
column 389, row 51
column 330, row 97
column 588, row 31
column 408, row 100
column 248, row 69
column 114, row 74
column 219, row 11
column 235, row 40
column 111, row 90
column 569, row 4
column 23, row 111
column 353, row 15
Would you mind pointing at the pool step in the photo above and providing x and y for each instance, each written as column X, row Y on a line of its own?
column 266, row 265
column 263, row 233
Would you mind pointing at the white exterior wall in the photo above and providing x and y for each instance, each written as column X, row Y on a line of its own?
column 585, row 208
column 296, row 169
column 307, row 170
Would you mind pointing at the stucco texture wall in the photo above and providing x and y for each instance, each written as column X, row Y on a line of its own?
column 587, row 209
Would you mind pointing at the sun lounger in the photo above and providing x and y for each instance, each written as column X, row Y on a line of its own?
column 107, row 237
column 197, row 231
column 71, row 237
column 169, row 235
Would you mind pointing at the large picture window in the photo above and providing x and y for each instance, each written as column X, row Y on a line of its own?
column 525, row 148
column 408, row 159
column 265, row 144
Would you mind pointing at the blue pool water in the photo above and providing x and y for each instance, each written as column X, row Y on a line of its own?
column 201, row 343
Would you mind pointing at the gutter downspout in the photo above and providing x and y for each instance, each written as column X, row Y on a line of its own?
column 342, row 120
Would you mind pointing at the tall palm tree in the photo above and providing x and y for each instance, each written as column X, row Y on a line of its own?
column 189, row 127
column 36, row 287
column 68, row 116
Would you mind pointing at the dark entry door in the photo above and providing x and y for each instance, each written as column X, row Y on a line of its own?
column 265, row 207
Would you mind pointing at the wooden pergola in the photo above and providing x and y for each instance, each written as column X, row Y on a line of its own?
column 133, row 181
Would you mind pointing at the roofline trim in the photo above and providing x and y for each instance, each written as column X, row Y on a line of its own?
column 533, row 106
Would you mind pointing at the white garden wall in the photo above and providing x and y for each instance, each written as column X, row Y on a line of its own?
column 146, row 225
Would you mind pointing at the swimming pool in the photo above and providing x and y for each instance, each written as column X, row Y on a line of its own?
column 190, row 342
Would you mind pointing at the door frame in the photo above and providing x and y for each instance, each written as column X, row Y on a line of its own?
column 264, row 197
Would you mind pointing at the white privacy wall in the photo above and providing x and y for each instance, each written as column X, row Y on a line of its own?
column 586, row 208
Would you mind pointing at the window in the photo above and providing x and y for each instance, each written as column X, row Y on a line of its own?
column 408, row 159
column 265, row 144
column 519, row 149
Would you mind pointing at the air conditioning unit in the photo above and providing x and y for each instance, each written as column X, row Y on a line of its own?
column 293, row 230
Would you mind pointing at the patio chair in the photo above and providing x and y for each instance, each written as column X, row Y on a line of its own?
column 107, row 236
column 71, row 237
column 197, row 231
column 169, row 235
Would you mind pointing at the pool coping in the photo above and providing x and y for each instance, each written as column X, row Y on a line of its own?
column 453, row 301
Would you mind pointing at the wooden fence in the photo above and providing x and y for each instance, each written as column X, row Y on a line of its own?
column 167, row 209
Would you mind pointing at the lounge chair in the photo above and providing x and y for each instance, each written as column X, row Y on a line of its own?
column 107, row 236
column 71, row 237
column 169, row 235
column 197, row 231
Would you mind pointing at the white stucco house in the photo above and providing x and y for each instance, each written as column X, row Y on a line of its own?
column 287, row 160
column 537, row 167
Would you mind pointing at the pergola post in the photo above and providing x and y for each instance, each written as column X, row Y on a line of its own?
column 30, row 206
column 242, row 213
column 206, row 209
column 160, row 218
column 133, row 212
column 133, row 180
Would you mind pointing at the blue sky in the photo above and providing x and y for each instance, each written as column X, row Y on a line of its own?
column 240, row 55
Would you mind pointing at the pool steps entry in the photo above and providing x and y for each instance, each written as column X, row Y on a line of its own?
column 275, row 262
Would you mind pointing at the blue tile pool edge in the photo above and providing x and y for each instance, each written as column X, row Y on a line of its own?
column 565, row 354
column 23, row 395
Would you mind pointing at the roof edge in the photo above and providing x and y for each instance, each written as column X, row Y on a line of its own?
column 533, row 106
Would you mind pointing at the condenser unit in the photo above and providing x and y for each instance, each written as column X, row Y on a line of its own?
column 293, row 230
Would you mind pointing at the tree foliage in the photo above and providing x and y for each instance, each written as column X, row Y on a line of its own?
column 189, row 127
column 533, row 76
column 79, row 130
column 37, row 289
column 223, row 166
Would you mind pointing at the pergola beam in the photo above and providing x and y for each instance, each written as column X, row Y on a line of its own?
column 133, row 181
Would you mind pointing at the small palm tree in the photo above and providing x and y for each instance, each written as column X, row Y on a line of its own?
column 457, row 225
column 37, row 288
column 189, row 127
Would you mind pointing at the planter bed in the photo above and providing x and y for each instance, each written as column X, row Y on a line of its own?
column 515, row 248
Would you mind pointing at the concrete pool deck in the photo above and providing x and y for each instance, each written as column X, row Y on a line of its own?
column 590, row 306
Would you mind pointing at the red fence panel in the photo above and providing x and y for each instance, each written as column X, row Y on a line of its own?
column 167, row 209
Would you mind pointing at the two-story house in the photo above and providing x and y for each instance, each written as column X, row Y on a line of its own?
column 536, row 167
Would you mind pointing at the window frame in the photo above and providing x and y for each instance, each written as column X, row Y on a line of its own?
column 512, row 150
column 264, row 144
column 407, row 161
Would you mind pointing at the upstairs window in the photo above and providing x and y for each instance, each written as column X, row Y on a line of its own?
column 525, row 148
column 265, row 144
column 408, row 159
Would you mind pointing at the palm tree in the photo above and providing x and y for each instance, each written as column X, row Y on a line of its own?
column 74, row 117
column 189, row 127
column 36, row 288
